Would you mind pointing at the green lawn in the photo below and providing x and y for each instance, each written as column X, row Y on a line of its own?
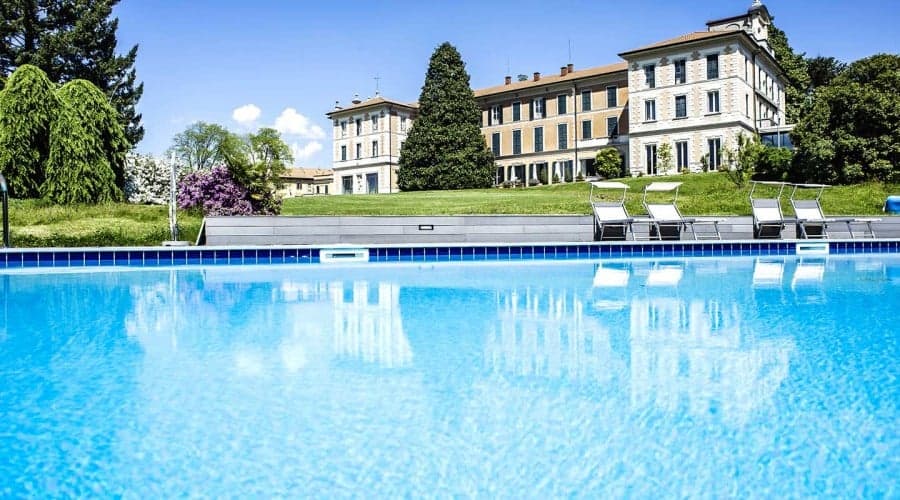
column 35, row 223
column 701, row 194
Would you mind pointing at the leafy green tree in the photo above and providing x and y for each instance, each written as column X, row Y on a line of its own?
column 445, row 148
column 255, row 161
column 741, row 161
column 774, row 164
column 87, row 148
column 849, row 130
column 823, row 70
column 203, row 145
column 608, row 163
column 28, row 106
column 795, row 71
column 664, row 157
column 266, row 160
column 73, row 39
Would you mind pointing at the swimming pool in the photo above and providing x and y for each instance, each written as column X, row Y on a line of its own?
column 754, row 376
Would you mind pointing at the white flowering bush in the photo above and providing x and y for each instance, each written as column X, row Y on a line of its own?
column 146, row 180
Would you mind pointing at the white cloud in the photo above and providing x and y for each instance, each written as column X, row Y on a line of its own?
column 291, row 122
column 305, row 152
column 246, row 114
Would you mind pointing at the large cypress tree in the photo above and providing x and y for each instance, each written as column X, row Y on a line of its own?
column 445, row 148
column 73, row 39
column 28, row 106
column 87, row 148
column 795, row 71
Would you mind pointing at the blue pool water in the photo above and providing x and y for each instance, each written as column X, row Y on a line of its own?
column 770, row 376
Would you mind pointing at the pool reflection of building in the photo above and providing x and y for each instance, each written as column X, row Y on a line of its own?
column 677, row 354
column 695, row 351
column 544, row 332
column 367, row 324
column 316, row 322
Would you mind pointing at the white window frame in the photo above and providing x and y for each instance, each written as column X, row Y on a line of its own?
column 539, row 112
column 374, row 123
column 374, row 149
column 497, row 114
column 590, row 129
column 712, row 97
column 344, row 128
column 650, row 110
column 590, row 100
column 715, row 158
column 515, row 132
column 403, row 124
column 678, row 156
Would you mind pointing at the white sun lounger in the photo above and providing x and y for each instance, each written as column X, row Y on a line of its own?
column 667, row 222
column 611, row 219
column 811, row 221
column 768, row 220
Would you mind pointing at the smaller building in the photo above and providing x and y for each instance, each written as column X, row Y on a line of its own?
column 367, row 137
column 305, row 182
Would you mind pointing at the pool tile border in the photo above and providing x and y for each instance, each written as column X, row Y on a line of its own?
column 14, row 258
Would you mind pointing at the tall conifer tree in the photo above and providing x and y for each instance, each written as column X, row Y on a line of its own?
column 73, row 39
column 445, row 148
column 87, row 148
column 28, row 106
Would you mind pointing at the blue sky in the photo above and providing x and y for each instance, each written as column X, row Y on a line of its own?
column 285, row 62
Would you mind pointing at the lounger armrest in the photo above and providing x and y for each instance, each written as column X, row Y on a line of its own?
column 840, row 219
column 708, row 220
column 867, row 219
column 616, row 221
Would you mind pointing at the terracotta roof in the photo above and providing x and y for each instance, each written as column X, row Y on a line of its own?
column 372, row 102
column 689, row 37
column 553, row 78
column 301, row 173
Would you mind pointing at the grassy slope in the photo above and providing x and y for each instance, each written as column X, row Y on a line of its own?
column 35, row 223
column 701, row 194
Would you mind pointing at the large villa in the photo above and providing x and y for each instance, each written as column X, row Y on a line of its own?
column 696, row 92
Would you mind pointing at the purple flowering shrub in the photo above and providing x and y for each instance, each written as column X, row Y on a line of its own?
column 213, row 191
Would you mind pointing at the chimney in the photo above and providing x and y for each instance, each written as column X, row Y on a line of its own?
column 537, row 75
column 356, row 99
column 570, row 68
column 562, row 71
column 508, row 80
column 337, row 104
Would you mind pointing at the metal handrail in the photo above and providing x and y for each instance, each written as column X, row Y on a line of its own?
column 4, row 194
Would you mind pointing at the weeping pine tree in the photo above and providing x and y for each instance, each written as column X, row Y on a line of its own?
column 445, row 148
column 70, row 40
column 28, row 106
column 87, row 148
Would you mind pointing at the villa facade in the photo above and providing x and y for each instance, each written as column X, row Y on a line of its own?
column 700, row 91
column 366, row 137
column 696, row 93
